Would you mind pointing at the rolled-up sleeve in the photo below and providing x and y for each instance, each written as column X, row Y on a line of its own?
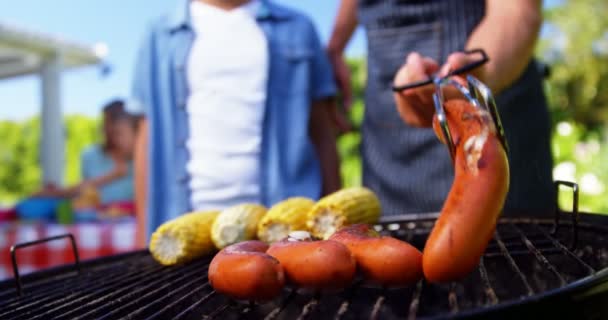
column 323, row 83
column 141, row 90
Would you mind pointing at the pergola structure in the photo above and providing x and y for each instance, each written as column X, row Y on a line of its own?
column 25, row 52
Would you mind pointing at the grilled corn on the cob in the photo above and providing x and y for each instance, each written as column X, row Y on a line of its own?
column 237, row 223
column 341, row 208
column 284, row 217
column 183, row 238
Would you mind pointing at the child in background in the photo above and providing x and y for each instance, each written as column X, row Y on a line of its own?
column 107, row 169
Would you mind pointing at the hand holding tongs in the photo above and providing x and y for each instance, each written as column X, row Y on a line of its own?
column 476, row 92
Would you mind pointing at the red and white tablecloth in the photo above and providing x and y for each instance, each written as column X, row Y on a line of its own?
column 92, row 239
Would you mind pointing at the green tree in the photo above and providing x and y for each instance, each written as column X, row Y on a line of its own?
column 576, row 46
column 349, row 143
column 19, row 169
column 20, row 172
column 81, row 132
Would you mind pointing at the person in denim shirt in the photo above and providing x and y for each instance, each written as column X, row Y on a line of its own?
column 295, row 154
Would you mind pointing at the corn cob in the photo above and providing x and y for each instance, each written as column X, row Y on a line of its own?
column 237, row 223
column 341, row 208
column 284, row 217
column 183, row 238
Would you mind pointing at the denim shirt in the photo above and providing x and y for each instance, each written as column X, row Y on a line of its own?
column 299, row 73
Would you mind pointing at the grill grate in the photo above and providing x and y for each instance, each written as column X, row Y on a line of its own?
column 523, row 261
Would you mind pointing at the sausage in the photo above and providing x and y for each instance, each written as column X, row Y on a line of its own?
column 383, row 260
column 468, row 218
column 244, row 271
column 318, row 265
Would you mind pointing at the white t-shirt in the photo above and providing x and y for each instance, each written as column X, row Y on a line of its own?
column 227, row 76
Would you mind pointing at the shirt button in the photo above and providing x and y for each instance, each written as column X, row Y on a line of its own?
column 183, row 179
column 179, row 67
column 181, row 104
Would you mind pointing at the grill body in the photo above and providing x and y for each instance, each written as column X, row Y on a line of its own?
column 526, row 271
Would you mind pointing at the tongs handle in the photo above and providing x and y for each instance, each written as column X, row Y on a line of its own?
column 461, row 70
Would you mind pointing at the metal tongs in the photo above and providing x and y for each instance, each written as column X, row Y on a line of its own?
column 476, row 92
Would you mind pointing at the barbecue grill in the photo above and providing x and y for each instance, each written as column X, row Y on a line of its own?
column 556, row 267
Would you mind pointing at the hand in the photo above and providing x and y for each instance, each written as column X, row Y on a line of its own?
column 458, row 60
column 339, row 119
column 343, row 78
column 45, row 193
column 416, row 105
column 54, row 192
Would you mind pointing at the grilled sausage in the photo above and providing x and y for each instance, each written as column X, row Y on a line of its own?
column 382, row 260
column 244, row 271
column 318, row 265
column 469, row 215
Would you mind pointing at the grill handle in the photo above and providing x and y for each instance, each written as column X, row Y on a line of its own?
column 33, row 243
column 574, row 214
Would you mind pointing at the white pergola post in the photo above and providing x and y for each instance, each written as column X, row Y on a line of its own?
column 52, row 132
column 24, row 52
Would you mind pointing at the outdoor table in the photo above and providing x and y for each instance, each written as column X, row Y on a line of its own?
column 94, row 239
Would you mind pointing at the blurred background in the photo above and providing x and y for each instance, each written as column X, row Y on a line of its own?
column 574, row 44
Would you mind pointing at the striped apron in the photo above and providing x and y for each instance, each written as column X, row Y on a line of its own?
column 408, row 167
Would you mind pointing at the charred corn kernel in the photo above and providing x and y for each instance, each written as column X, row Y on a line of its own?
column 183, row 238
column 236, row 224
column 341, row 208
column 284, row 217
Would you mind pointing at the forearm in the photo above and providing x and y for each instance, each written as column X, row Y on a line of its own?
column 140, row 183
column 330, row 165
column 508, row 34
column 68, row 192
column 103, row 180
column 344, row 27
column 323, row 137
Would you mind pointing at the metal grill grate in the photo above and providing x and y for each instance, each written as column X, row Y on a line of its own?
column 524, row 265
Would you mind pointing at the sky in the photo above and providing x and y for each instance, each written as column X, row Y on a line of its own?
column 120, row 25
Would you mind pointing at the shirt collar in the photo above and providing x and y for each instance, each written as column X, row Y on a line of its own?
column 180, row 17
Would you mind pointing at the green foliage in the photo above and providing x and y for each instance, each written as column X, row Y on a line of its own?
column 577, row 49
column 349, row 143
column 82, row 132
column 580, row 157
column 20, row 172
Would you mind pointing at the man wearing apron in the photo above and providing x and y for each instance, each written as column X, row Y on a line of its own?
column 407, row 166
